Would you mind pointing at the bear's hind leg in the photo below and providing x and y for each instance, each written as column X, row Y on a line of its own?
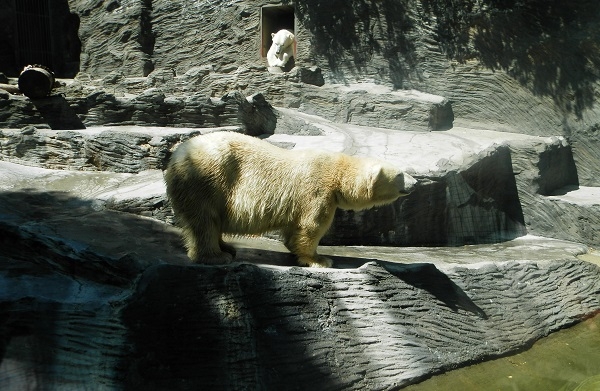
column 204, row 245
column 227, row 248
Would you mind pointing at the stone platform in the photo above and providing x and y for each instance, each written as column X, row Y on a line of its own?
column 105, row 297
column 478, row 185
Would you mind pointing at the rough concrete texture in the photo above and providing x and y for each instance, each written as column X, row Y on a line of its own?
column 149, row 108
column 526, row 67
column 491, row 105
column 479, row 186
column 138, row 315
column 110, row 298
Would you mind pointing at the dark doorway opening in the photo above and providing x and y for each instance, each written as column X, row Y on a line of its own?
column 41, row 32
column 274, row 18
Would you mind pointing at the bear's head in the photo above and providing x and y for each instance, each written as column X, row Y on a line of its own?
column 376, row 183
column 388, row 184
column 282, row 39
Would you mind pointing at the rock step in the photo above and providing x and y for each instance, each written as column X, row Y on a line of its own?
column 373, row 105
column 553, row 202
column 572, row 213
column 478, row 186
column 120, row 287
column 486, row 186
column 303, row 88
column 126, row 149
column 363, row 104
column 150, row 108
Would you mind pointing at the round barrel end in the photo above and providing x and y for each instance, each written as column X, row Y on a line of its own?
column 36, row 82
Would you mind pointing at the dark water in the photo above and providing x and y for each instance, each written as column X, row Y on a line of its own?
column 568, row 360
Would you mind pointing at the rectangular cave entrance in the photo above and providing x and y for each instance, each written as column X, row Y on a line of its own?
column 39, row 32
column 272, row 19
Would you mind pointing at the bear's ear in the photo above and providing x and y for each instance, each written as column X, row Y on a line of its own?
column 272, row 35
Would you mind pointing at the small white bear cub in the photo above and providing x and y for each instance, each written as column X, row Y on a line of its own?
column 226, row 182
column 282, row 48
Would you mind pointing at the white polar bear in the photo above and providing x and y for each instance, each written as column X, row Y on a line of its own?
column 226, row 182
column 282, row 48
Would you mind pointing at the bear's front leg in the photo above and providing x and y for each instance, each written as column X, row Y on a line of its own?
column 315, row 260
column 303, row 243
column 277, row 62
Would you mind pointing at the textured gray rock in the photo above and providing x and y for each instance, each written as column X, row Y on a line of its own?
column 138, row 316
column 377, row 106
column 361, row 104
column 481, row 186
column 76, row 304
column 470, row 55
column 118, row 149
column 477, row 203
column 151, row 107
column 551, row 198
column 466, row 55
column 476, row 186
column 349, row 329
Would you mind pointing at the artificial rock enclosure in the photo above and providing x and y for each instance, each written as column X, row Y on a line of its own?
column 491, row 104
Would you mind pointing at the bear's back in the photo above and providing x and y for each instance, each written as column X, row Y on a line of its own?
column 219, row 148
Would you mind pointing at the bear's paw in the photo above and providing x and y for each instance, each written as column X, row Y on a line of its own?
column 316, row 261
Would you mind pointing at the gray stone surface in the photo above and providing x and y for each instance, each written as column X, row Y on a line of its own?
column 137, row 315
column 109, row 297
column 377, row 106
column 99, row 296
column 478, row 186
column 151, row 107
column 118, row 149
column 471, row 56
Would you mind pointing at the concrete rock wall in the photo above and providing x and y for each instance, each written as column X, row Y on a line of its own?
column 527, row 67
column 505, row 67
column 89, row 298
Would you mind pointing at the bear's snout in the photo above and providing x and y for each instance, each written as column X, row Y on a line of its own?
column 409, row 183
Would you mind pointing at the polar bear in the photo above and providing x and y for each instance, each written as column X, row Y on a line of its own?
column 225, row 182
column 282, row 48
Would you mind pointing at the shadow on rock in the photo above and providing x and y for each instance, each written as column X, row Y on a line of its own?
column 549, row 46
column 424, row 276
column 57, row 113
column 358, row 31
column 75, row 237
column 226, row 327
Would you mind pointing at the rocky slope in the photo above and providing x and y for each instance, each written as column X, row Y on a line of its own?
column 106, row 297
column 521, row 66
column 478, row 186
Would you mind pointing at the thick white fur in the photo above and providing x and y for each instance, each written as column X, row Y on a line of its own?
column 226, row 182
column 282, row 48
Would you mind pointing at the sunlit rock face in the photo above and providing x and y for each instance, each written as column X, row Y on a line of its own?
column 520, row 68
column 111, row 296
column 468, row 190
